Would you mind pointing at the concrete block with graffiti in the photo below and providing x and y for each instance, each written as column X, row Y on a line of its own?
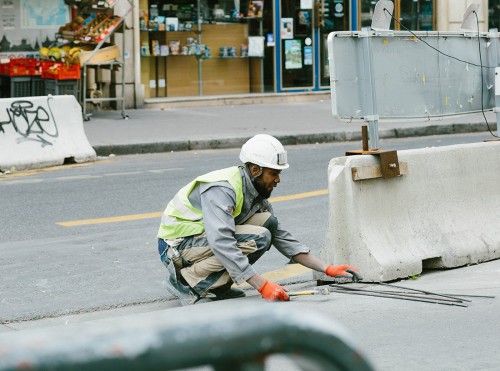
column 42, row 131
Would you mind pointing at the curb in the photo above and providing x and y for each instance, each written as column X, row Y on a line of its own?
column 345, row 136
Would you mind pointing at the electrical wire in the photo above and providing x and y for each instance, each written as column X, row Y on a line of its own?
column 482, row 77
column 480, row 65
column 432, row 47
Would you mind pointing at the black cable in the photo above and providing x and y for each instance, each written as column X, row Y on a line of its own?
column 482, row 77
column 432, row 47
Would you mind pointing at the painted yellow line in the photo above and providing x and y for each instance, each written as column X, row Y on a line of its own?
column 289, row 271
column 125, row 218
column 298, row 196
column 30, row 172
column 78, row 177
column 113, row 219
column 21, row 181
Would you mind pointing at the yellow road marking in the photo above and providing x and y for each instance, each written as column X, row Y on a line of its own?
column 289, row 271
column 160, row 171
column 24, row 173
column 78, row 177
column 121, row 174
column 113, row 219
column 125, row 218
column 298, row 196
column 22, row 181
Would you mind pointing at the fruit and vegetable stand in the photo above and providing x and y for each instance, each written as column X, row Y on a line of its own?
column 62, row 68
column 92, row 38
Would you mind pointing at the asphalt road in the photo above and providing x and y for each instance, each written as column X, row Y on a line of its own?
column 55, row 261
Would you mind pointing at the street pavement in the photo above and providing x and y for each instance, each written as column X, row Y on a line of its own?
column 229, row 126
column 393, row 334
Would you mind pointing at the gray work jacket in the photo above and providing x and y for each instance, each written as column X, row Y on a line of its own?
column 216, row 201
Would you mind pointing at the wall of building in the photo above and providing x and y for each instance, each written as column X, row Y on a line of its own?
column 450, row 14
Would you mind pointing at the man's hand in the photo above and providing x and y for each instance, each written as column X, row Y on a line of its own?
column 273, row 292
column 343, row 271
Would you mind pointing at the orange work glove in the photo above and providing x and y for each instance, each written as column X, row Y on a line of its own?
column 345, row 270
column 273, row 292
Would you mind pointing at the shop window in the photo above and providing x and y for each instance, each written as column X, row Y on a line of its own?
column 494, row 14
column 201, row 47
column 415, row 15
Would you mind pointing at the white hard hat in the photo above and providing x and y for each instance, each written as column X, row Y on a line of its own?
column 264, row 150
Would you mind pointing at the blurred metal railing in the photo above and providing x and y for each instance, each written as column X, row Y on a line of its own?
column 233, row 336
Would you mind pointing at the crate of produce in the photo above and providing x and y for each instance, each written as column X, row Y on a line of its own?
column 4, row 68
column 61, row 87
column 60, row 71
column 21, row 67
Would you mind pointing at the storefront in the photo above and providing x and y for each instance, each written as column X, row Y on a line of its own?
column 278, row 45
column 193, row 48
column 204, row 47
column 201, row 47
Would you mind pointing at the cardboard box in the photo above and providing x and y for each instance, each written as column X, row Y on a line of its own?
column 105, row 54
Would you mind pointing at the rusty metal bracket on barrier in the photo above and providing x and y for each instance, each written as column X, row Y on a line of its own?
column 389, row 164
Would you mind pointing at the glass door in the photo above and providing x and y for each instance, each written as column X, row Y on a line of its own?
column 296, row 25
column 334, row 16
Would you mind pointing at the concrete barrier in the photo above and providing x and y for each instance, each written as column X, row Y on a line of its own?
column 42, row 131
column 445, row 212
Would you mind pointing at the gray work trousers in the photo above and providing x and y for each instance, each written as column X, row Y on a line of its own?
column 198, row 265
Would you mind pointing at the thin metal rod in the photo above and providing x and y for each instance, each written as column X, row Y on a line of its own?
column 398, row 297
column 422, row 291
column 474, row 296
column 394, row 293
column 458, row 296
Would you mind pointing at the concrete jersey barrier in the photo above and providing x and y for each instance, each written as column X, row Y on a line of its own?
column 42, row 131
column 445, row 212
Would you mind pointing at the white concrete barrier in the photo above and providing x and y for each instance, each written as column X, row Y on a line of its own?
column 445, row 212
column 42, row 131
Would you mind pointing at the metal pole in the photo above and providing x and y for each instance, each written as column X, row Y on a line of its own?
column 200, row 59
column 370, row 101
column 497, row 98
column 364, row 137
column 493, row 60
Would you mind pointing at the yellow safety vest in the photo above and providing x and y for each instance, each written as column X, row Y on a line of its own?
column 181, row 219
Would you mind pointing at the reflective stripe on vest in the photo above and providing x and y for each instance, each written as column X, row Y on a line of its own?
column 181, row 219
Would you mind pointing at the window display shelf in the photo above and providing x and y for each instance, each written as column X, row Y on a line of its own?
column 166, row 75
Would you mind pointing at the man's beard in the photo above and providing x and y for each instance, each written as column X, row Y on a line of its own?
column 259, row 186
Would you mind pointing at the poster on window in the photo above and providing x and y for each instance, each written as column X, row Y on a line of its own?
column 293, row 54
column 286, row 28
column 308, row 55
column 43, row 13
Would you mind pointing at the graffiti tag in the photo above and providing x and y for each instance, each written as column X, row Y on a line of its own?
column 32, row 124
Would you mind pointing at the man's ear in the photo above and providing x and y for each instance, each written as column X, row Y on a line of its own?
column 255, row 170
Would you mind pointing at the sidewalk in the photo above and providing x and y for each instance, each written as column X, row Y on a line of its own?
column 393, row 334
column 297, row 122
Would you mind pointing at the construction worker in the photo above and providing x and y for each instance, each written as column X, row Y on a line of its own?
column 221, row 223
